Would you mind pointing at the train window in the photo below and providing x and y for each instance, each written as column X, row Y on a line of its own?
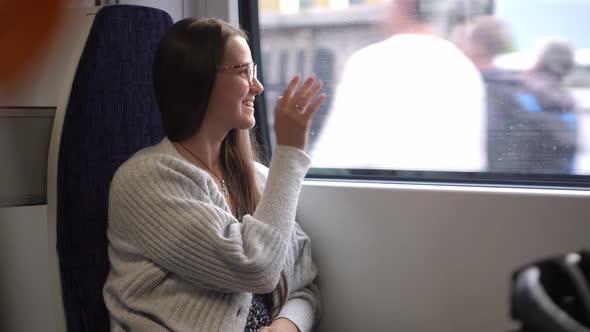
column 462, row 91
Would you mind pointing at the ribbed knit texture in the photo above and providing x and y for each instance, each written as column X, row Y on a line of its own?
column 179, row 259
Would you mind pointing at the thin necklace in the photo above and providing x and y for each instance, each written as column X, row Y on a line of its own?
column 223, row 186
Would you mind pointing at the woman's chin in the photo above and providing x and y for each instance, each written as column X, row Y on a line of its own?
column 247, row 123
column 252, row 124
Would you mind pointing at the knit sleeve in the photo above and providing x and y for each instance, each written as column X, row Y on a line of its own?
column 160, row 206
column 303, row 305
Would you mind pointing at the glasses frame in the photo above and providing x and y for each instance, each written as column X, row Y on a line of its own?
column 251, row 73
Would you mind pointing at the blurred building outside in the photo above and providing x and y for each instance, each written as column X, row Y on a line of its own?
column 318, row 36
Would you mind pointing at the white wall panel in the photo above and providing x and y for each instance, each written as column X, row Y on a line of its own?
column 223, row 9
column 425, row 258
column 25, row 290
column 172, row 7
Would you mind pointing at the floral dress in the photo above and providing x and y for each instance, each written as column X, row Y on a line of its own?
column 259, row 314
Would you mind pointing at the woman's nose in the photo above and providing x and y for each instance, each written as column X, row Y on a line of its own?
column 256, row 87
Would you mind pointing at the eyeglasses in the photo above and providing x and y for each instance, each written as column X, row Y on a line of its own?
column 250, row 70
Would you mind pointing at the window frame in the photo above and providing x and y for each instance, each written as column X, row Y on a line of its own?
column 248, row 16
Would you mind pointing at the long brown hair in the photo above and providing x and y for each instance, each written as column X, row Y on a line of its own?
column 184, row 71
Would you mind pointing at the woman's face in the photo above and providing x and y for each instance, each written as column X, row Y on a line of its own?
column 231, row 104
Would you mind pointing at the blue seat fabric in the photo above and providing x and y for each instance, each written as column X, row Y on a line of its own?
column 111, row 114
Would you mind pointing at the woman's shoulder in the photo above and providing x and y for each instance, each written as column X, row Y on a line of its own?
column 147, row 157
column 154, row 163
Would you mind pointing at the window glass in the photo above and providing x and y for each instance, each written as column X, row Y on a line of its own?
column 455, row 86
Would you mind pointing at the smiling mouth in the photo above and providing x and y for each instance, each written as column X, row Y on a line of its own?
column 249, row 103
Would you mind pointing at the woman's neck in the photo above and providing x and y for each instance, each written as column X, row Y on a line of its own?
column 207, row 149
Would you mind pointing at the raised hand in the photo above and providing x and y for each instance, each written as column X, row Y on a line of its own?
column 295, row 109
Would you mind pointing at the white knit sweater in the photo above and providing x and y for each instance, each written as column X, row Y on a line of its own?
column 180, row 261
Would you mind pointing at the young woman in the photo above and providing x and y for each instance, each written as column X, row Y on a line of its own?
column 201, row 237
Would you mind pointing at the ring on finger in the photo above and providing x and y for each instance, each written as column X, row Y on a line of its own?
column 299, row 107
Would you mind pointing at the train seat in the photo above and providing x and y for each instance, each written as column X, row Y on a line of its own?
column 109, row 114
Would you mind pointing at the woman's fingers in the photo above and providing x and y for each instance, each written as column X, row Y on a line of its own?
column 315, row 105
column 305, row 87
column 285, row 99
column 312, row 91
column 295, row 109
column 300, row 98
